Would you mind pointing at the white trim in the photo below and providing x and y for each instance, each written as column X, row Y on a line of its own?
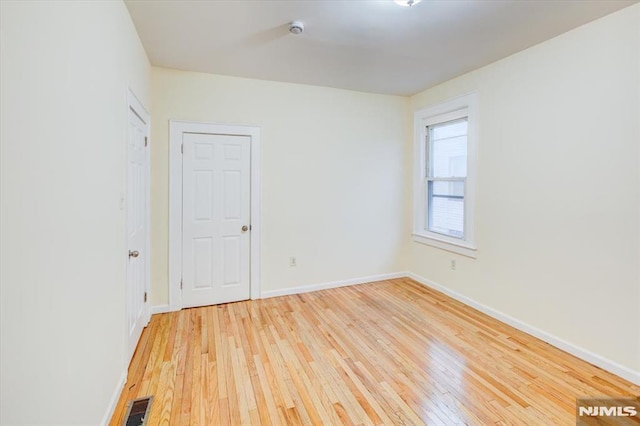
column 160, row 309
column 176, row 129
column 462, row 106
column 332, row 284
column 111, row 407
column 459, row 248
column 584, row 354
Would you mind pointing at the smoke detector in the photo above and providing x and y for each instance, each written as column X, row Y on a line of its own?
column 296, row 27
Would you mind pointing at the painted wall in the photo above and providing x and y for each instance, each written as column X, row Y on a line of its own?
column 558, row 188
column 65, row 71
column 334, row 186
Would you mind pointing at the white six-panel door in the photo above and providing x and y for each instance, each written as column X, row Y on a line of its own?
column 216, row 194
column 137, row 229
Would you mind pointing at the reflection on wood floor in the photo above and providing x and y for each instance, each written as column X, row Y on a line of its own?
column 390, row 352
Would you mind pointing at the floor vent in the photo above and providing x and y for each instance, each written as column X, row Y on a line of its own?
column 138, row 412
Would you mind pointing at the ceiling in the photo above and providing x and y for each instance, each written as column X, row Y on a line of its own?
column 370, row 46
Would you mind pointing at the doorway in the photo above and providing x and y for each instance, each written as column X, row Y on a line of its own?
column 214, row 214
column 137, row 213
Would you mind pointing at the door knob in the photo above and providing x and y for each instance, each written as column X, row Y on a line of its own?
column 245, row 228
column 134, row 253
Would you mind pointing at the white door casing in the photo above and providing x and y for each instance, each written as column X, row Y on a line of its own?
column 214, row 192
column 215, row 218
column 137, row 211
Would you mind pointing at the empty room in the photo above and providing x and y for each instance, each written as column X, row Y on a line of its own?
column 340, row 212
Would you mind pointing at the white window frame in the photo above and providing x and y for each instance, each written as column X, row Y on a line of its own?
column 463, row 106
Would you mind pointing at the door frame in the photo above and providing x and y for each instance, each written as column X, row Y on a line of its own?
column 176, row 130
column 135, row 106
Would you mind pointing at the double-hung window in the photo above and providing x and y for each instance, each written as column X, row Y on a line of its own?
column 444, row 177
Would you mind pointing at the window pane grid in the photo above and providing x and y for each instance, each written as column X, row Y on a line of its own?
column 444, row 184
column 445, row 181
column 446, row 212
column 447, row 149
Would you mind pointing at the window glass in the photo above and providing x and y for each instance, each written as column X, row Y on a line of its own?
column 446, row 208
column 447, row 151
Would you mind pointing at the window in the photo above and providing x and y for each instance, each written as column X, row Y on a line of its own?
column 444, row 177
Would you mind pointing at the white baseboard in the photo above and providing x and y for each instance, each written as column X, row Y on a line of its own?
column 160, row 309
column 332, row 284
column 595, row 359
column 114, row 400
column 604, row 363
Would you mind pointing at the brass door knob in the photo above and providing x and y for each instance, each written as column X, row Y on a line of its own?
column 134, row 253
column 245, row 228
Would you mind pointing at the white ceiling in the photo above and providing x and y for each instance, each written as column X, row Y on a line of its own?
column 370, row 46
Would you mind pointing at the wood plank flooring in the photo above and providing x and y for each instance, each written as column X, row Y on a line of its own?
column 390, row 352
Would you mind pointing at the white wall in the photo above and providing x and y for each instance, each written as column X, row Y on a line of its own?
column 65, row 71
column 558, row 188
column 333, row 180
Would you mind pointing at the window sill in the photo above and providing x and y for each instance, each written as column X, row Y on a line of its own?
column 458, row 248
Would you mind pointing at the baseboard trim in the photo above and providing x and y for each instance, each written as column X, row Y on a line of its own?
column 331, row 284
column 160, row 309
column 584, row 354
column 111, row 408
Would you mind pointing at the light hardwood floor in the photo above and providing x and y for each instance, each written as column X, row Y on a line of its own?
column 391, row 352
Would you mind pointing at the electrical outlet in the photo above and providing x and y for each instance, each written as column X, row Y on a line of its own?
column 292, row 261
column 453, row 264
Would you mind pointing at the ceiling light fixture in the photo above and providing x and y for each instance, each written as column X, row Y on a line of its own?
column 407, row 3
column 296, row 27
